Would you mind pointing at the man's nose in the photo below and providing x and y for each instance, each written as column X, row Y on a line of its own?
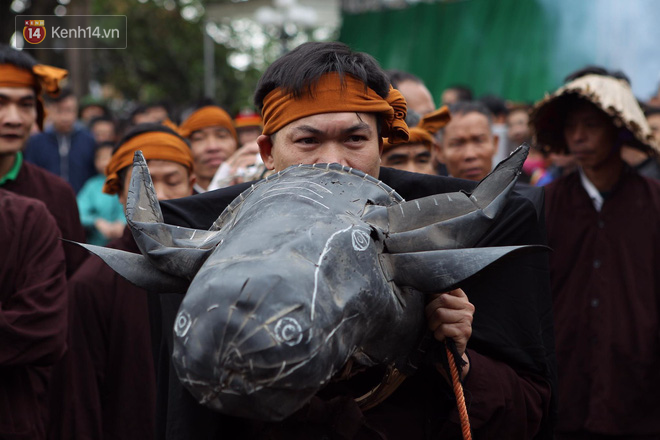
column 470, row 151
column 333, row 153
column 11, row 115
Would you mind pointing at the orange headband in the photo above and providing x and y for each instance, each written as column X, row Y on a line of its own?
column 251, row 120
column 154, row 145
column 42, row 77
column 209, row 116
column 423, row 132
column 331, row 95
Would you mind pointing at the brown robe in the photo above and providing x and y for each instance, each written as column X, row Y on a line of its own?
column 60, row 200
column 32, row 314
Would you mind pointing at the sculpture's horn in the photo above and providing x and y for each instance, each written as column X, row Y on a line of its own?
column 138, row 270
column 452, row 220
column 440, row 271
column 172, row 249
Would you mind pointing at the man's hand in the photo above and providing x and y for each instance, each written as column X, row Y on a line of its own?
column 449, row 315
column 109, row 230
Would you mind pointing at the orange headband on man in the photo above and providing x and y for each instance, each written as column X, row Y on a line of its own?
column 41, row 77
column 331, row 95
column 154, row 145
column 423, row 132
column 209, row 116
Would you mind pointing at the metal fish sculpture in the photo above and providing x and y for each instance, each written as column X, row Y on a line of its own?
column 312, row 269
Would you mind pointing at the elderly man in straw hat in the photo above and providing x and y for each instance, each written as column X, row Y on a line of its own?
column 603, row 223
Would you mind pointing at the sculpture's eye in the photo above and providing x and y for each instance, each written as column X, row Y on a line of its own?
column 360, row 240
column 288, row 331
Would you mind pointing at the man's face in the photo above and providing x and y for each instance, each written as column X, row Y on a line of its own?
column 171, row 180
column 350, row 139
column 102, row 158
column 18, row 113
column 518, row 126
column 90, row 112
column 418, row 98
column 449, row 96
column 247, row 135
column 468, row 146
column 103, row 131
column 654, row 123
column 210, row 147
column 590, row 135
column 415, row 158
column 63, row 114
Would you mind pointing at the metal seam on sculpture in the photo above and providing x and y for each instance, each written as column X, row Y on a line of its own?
column 318, row 266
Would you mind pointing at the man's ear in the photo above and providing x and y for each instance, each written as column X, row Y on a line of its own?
column 266, row 151
column 381, row 145
column 438, row 151
column 192, row 180
column 496, row 144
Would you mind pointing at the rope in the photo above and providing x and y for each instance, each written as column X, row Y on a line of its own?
column 460, row 398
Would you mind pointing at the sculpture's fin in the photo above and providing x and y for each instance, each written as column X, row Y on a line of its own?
column 138, row 270
column 443, row 270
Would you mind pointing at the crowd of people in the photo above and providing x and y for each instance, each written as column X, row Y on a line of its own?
column 86, row 354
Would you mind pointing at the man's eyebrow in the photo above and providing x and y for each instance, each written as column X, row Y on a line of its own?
column 308, row 129
column 351, row 129
column 396, row 156
column 20, row 98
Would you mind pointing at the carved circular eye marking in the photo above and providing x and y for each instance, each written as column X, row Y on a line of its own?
column 288, row 331
column 360, row 240
column 182, row 324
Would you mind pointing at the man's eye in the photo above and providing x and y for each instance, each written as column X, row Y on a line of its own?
column 356, row 138
column 306, row 141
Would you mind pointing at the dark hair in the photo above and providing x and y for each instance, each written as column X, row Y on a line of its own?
column 465, row 107
column 64, row 93
column 103, row 118
column 86, row 105
column 412, row 118
column 495, row 104
column 299, row 70
column 205, row 102
column 464, row 92
column 596, row 70
column 398, row 76
column 140, row 109
column 9, row 55
column 105, row 144
column 651, row 110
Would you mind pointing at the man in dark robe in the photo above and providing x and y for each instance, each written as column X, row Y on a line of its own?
column 21, row 83
column 107, row 380
column 509, row 350
column 33, row 310
column 604, row 226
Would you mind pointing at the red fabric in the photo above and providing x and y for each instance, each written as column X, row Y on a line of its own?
column 32, row 314
column 606, row 295
column 57, row 195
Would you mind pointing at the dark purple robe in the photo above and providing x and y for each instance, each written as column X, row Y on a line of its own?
column 32, row 314
column 60, row 200
column 106, row 381
column 605, row 272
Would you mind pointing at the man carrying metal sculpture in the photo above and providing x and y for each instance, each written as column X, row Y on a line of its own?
column 323, row 104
